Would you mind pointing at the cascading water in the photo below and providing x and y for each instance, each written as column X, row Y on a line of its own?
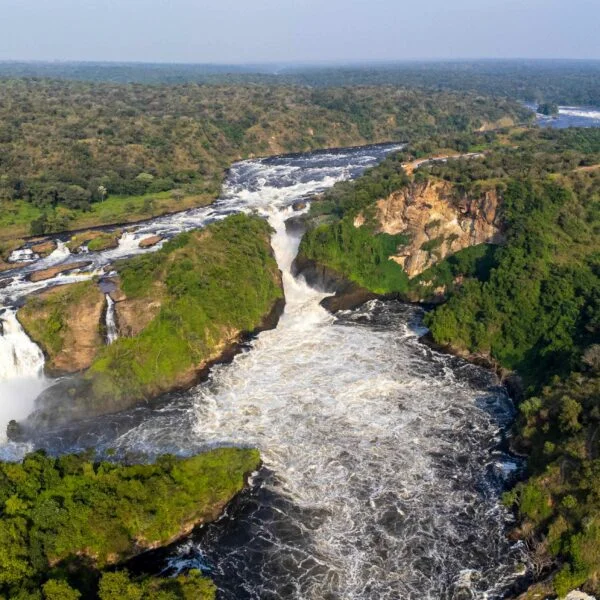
column 111, row 325
column 382, row 470
column 19, row 356
column 21, row 371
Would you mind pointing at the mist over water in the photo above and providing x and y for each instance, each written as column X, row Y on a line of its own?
column 382, row 466
column 21, row 371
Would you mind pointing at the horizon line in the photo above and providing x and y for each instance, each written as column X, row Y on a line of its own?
column 295, row 62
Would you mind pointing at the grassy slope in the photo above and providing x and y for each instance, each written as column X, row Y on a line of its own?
column 213, row 284
column 62, row 517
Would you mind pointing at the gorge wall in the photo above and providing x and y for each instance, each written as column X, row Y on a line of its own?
column 438, row 222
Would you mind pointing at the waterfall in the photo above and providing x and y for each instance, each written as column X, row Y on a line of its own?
column 375, row 448
column 111, row 325
column 382, row 469
column 23, row 255
column 21, row 371
column 19, row 356
column 58, row 255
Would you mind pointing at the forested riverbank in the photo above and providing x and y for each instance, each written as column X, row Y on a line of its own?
column 496, row 224
column 77, row 155
column 67, row 522
column 379, row 400
column 528, row 303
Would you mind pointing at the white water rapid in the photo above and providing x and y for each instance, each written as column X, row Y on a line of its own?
column 382, row 468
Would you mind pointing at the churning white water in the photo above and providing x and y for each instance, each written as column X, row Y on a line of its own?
column 382, row 469
column 21, row 371
column 111, row 325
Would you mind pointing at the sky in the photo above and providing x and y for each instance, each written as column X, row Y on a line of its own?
column 279, row 31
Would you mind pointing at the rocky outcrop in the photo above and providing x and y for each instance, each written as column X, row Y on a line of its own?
column 347, row 294
column 66, row 322
column 95, row 240
column 174, row 322
column 134, row 314
column 57, row 270
column 437, row 221
column 151, row 241
column 44, row 248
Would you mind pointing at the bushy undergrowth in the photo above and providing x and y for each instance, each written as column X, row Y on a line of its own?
column 358, row 254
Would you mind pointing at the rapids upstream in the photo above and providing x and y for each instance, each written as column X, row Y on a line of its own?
column 383, row 465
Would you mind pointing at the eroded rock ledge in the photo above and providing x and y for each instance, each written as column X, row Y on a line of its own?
column 179, row 310
column 437, row 221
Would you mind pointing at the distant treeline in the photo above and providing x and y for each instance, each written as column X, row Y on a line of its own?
column 556, row 81
column 72, row 144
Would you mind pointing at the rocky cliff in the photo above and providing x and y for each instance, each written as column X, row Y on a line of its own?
column 178, row 311
column 66, row 322
column 438, row 222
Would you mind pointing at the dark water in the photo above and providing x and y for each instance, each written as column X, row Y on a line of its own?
column 383, row 465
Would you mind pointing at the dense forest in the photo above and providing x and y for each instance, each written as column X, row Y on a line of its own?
column 555, row 81
column 531, row 305
column 75, row 154
column 122, row 143
column 66, row 522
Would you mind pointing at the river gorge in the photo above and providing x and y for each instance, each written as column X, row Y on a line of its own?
column 384, row 460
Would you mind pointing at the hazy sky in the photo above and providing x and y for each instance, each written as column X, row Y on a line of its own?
column 234, row 31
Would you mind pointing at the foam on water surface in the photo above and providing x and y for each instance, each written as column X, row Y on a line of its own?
column 382, row 469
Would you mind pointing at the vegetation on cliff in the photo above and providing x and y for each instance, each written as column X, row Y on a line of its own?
column 212, row 285
column 65, row 322
column 537, row 311
column 357, row 252
column 531, row 305
column 77, row 154
column 63, row 520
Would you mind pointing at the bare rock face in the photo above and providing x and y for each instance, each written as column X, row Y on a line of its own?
column 437, row 222
column 134, row 315
column 44, row 248
column 66, row 322
column 57, row 270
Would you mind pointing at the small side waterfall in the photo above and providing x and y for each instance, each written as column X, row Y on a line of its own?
column 23, row 255
column 111, row 325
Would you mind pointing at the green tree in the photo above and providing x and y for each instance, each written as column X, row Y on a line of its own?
column 59, row 590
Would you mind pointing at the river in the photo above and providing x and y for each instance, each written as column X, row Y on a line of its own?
column 569, row 116
column 383, row 466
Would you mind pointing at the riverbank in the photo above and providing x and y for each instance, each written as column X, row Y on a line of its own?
column 349, row 414
column 112, row 212
column 178, row 311
column 75, row 520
